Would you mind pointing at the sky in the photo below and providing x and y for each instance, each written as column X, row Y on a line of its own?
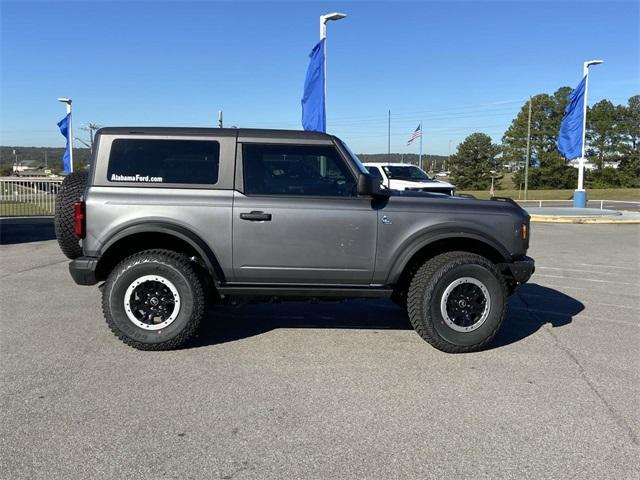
column 459, row 67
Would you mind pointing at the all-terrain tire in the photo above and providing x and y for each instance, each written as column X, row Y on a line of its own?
column 428, row 287
column 70, row 192
column 155, row 266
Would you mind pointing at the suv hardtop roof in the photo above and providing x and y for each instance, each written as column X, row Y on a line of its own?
column 241, row 132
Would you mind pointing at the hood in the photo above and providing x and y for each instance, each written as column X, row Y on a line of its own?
column 437, row 201
column 402, row 184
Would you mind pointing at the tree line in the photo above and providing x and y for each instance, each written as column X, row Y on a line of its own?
column 613, row 138
column 39, row 157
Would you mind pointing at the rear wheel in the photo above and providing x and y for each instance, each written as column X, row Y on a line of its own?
column 71, row 190
column 154, row 300
column 457, row 301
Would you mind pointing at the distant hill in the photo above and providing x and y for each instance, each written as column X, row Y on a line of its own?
column 428, row 161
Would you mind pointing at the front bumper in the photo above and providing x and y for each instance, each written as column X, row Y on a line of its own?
column 83, row 270
column 520, row 270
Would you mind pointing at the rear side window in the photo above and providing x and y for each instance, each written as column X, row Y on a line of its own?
column 164, row 161
column 296, row 170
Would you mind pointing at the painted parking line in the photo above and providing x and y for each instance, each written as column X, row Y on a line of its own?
column 590, row 302
column 607, row 266
column 577, row 270
column 581, row 316
column 589, row 289
column 584, row 279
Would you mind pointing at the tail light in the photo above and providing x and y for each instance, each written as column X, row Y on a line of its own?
column 79, row 220
column 526, row 233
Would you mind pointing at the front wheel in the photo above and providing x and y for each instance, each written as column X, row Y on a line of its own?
column 457, row 301
column 154, row 300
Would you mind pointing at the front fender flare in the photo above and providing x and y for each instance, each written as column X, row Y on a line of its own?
column 407, row 251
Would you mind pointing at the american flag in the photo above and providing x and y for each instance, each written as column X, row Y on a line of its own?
column 417, row 133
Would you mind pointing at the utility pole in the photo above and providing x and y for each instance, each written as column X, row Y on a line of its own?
column 526, row 165
column 389, row 139
column 219, row 118
column 91, row 128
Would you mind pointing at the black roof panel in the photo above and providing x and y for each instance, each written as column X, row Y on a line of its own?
column 242, row 132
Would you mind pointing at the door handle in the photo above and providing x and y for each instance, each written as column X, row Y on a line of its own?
column 256, row 216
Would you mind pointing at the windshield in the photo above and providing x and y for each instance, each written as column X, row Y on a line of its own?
column 410, row 172
column 353, row 156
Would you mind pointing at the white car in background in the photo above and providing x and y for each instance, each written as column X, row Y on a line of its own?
column 405, row 176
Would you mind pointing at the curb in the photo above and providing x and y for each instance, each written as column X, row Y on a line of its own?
column 587, row 220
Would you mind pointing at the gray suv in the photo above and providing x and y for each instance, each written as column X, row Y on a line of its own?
column 175, row 219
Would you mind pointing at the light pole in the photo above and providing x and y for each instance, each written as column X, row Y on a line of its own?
column 335, row 16
column 492, row 192
column 528, row 159
column 580, row 196
column 68, row 101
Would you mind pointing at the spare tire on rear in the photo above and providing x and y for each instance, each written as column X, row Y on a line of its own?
column 70, row 192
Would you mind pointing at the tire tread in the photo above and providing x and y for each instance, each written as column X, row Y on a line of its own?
column 71, row 189
column 423, row 284
column 182, row 263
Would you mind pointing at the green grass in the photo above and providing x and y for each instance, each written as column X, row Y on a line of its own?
column 632, row 194
column 19, row 209
column 507, row 183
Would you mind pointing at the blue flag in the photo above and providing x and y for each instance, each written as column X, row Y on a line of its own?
column 570, row 137
column 64, row 125
column 313, row 108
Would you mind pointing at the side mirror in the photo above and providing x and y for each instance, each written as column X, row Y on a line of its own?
column 368, row 185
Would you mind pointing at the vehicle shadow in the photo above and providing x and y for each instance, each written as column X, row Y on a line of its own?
column 229, row 323
column 531, row 307
column 26, row 230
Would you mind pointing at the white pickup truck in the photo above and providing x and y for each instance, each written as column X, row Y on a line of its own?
column 405, row 176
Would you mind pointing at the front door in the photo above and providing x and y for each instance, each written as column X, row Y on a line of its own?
column 298, row 218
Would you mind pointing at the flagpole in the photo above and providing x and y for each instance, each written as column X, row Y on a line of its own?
column 67, row 102
column 580, row 195
column 70, row 136
column 389, row 139
column 420, row 156
column 323, row 36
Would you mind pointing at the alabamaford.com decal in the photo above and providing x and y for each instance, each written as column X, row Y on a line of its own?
column 135, row 178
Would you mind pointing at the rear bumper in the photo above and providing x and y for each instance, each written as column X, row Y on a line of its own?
column 520, row 270
column 83, row 270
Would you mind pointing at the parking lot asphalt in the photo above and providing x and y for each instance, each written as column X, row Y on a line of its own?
column 343, row 390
